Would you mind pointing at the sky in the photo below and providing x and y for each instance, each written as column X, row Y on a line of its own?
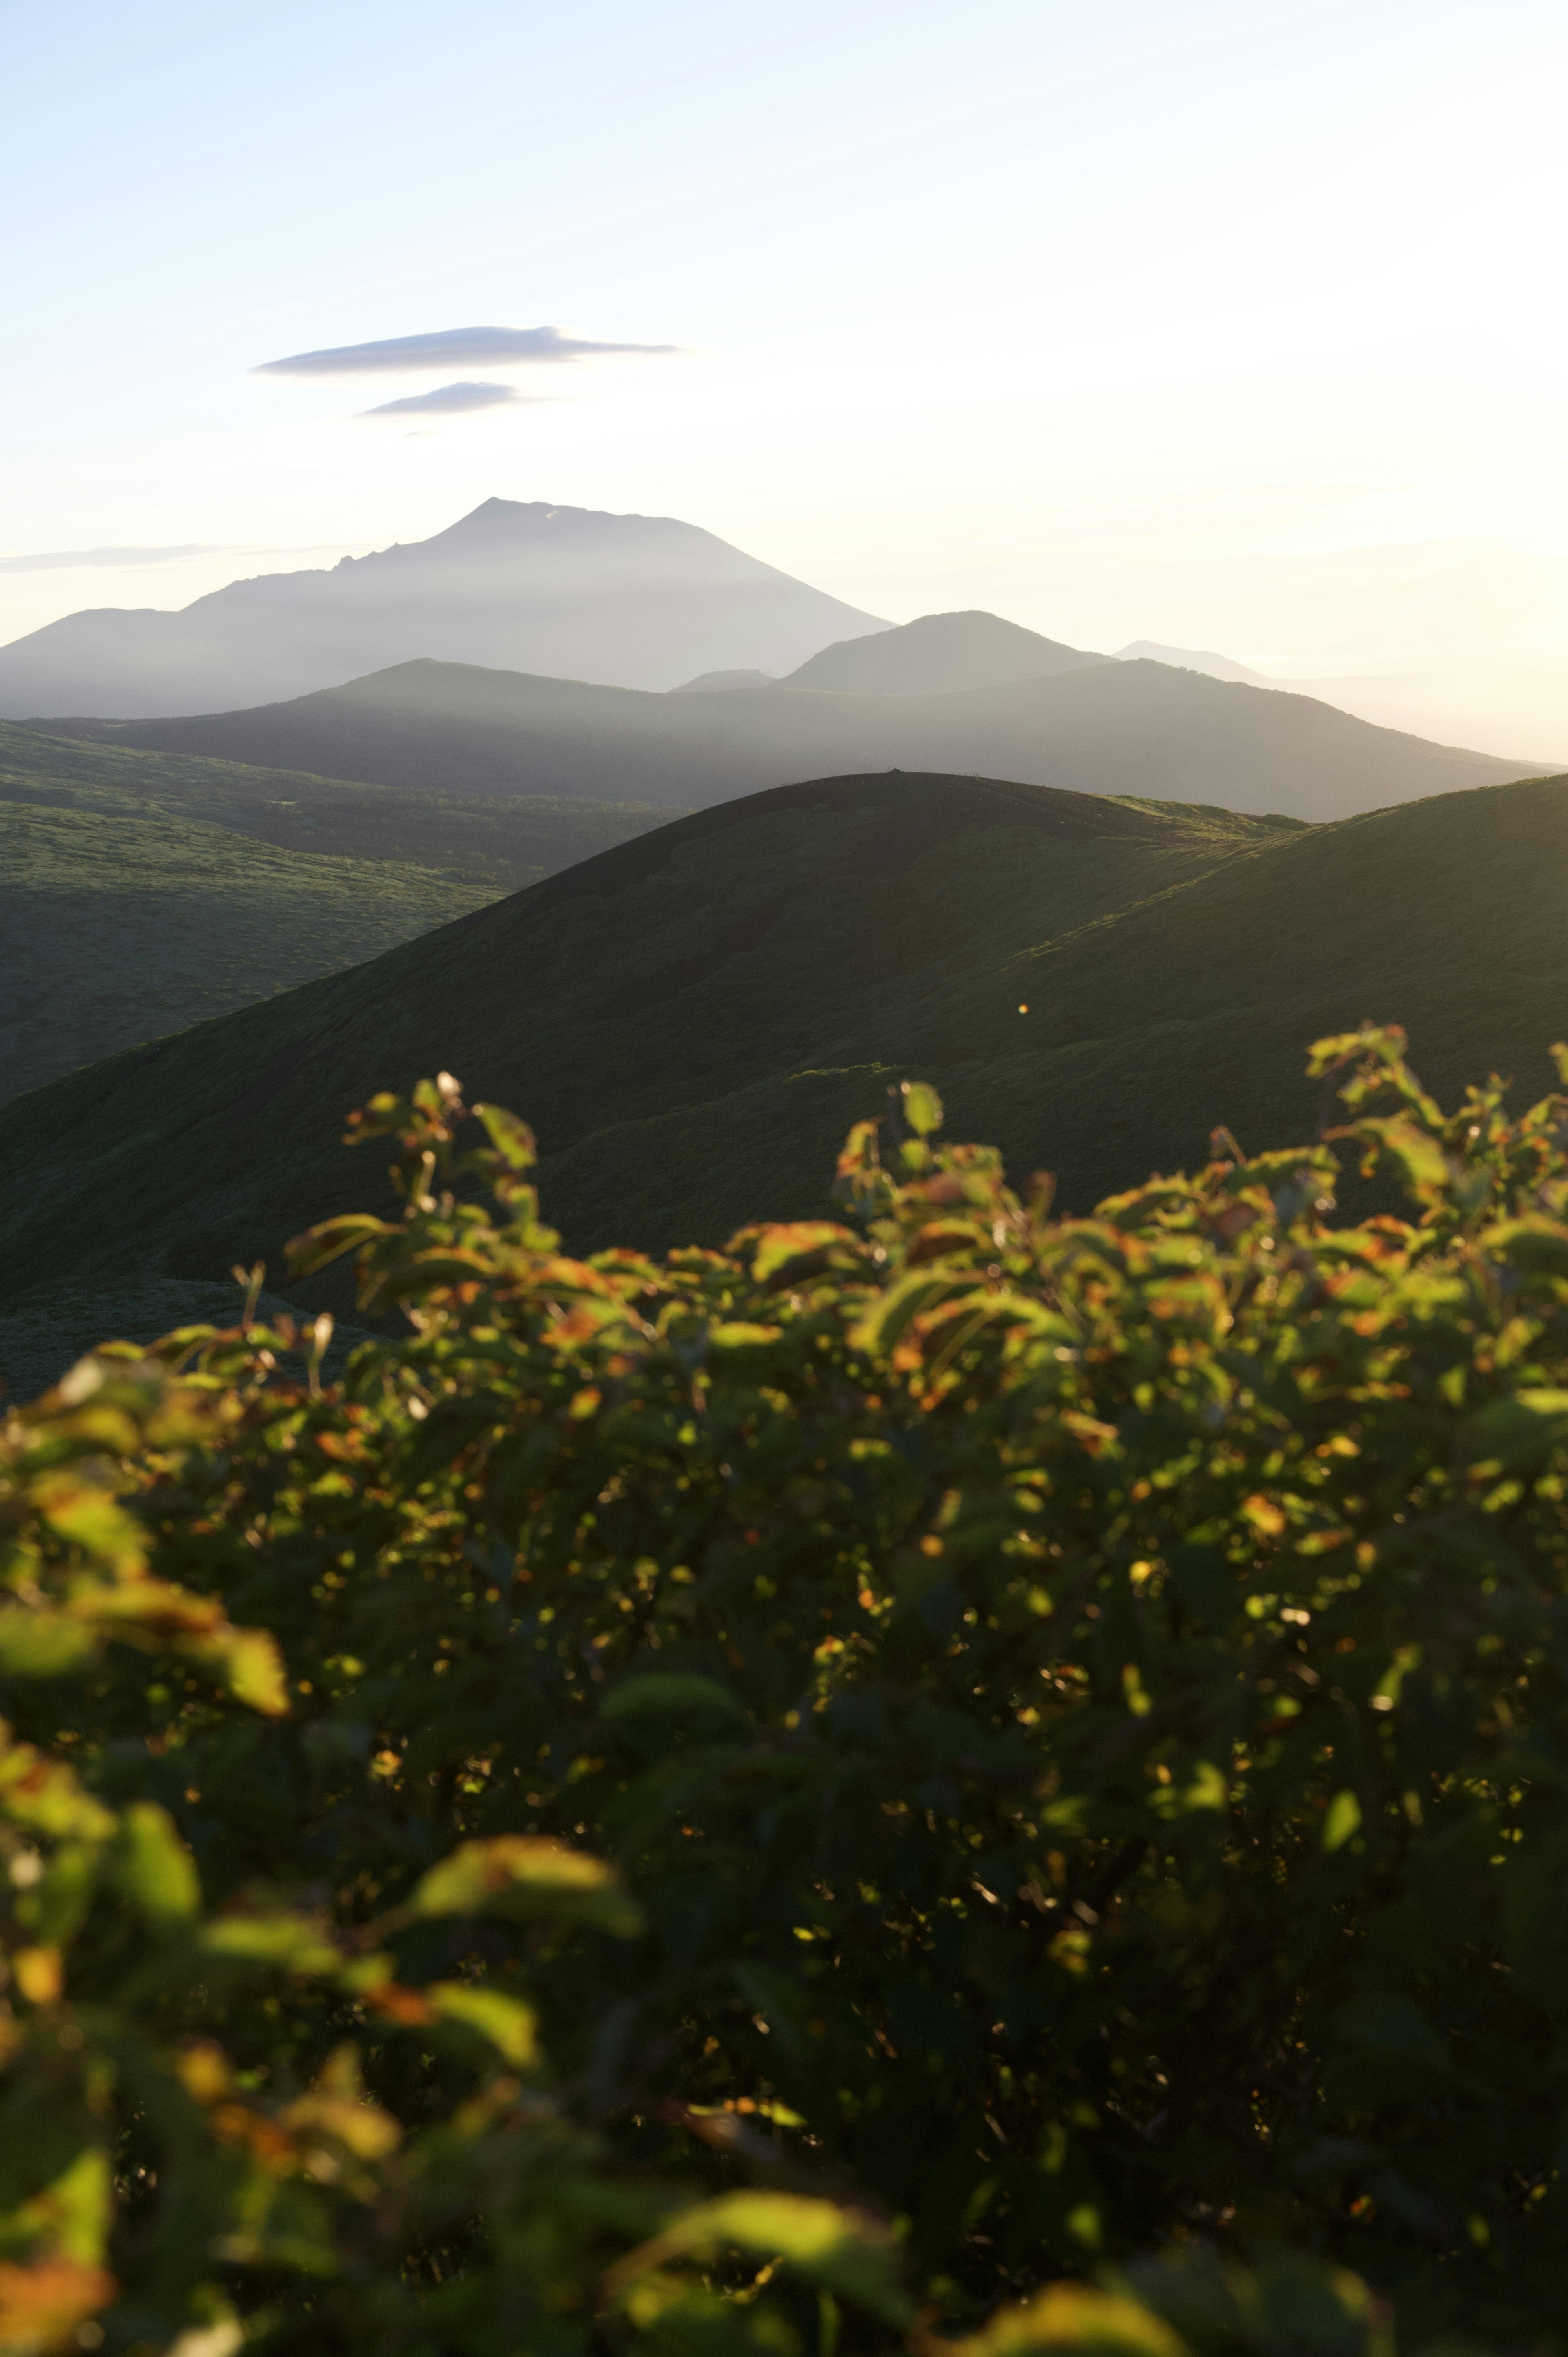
column 1229, row 324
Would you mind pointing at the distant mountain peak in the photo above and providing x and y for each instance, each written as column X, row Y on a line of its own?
column 515, row 585
column 937, row 653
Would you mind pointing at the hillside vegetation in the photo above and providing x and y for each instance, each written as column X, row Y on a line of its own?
column 1098, row 726
column 818, row 1796
column 143, row 892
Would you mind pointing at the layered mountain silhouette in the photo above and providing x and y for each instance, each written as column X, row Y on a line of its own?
column 1089, row 725
column 691, row 1020
column 1203, row 659
column 636, row 601
column 937, row 653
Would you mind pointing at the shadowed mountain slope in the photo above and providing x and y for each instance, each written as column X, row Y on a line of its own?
column 642, row 601
column 691, row 1020
column 1133, row 728
column 936, row 653
column 142, row 892
column 658, row 983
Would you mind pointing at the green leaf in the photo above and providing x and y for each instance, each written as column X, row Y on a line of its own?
column 839, row 2249
column 55, row 1909
column 40, row 1796
column 510, row 2027
column 662, row 1694
column 891, row 1312
column 1074, row 2319
column 331, row 1239
column 155, row 1868
column 1344, row 1818
column 787, row 1240
column 39, row 1643
column 512, row 1139
column 526, row 1876
column 922, row 1108
column 1419, row 1160
column 271, row 1942
column 254, row 1671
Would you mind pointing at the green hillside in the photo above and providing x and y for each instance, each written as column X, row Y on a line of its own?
column 691, row 1020
column 143, row 892
column 511, row 838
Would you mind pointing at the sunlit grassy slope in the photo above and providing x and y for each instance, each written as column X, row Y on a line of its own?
column 692, row 1019
column 143, row 892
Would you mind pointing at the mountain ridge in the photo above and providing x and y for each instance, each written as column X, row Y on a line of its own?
column 938, row 654
column 630, row 600
column 1137, row 728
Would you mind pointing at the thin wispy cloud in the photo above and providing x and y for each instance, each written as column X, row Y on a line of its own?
column 54, row 560
column 447, row 400
column 450, row 347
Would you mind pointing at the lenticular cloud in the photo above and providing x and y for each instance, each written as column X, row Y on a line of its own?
column 480, row 347
column 447, row 400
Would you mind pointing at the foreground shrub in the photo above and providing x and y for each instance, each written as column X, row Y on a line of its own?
column 979, row 1747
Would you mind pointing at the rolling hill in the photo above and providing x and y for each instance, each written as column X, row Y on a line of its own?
column 692, row 1019
column 1100, row 727
column 143, row 892
column 641, row 601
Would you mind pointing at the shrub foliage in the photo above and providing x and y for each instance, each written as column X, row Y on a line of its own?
column 839, row 1792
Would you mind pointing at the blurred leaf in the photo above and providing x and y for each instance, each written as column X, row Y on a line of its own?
column 922, row 1108
column 780, row 1246
column 839, row 2248
column 1344, row 1818
column 510, row 2027
column 42, row 2305
column 254, row 1671
column 279, row 1942
column 1418, row 1160
column 39, row 1644
column 528, row 1878
column 331, row 1239
column 1074, row 2317
column 39, row 1975
column 155, row 1868
column 512, row 1139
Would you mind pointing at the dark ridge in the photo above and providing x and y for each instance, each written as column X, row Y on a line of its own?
column 935, row 803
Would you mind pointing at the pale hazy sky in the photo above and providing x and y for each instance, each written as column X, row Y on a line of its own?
column 1233, row 323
